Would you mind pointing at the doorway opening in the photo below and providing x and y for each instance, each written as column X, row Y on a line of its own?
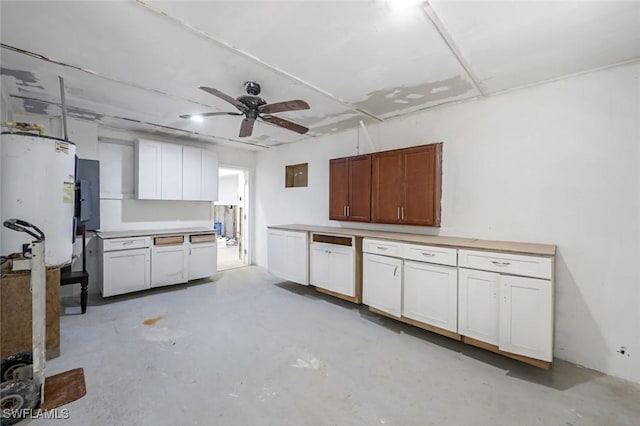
column 230, row 218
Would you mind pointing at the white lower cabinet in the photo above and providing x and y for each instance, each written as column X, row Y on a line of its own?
column 125, row 271
column 203, row 258
column 169, row 265
column 332, row 267
column 382, row 283
column 513, row 312
column 138, row 263
column 478, row 305
column 288, row 253
column 430, row 294
column 526, row 317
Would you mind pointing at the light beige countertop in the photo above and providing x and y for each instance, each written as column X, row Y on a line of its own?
column 457, row 242
column 146, row 232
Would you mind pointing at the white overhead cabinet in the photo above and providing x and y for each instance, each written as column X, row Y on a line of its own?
column 191, row 173
column 171, row 172
column 288, row 253
column 148, row 156
column 168, row 171
column 199, row 174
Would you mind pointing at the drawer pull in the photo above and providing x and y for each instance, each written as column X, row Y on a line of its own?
column 395, row 270
column 383, row 248
column 428, row 254
column 127, row 243
column 495, row 262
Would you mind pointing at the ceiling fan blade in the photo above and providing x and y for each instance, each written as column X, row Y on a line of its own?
column 210, row 114
column 247, row 127
column 289, row 125
column 293, row 105
column 232, row 101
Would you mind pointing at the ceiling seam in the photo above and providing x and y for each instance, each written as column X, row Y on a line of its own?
column 96, row 74
column 257, row 60
column 148, row 123
column 448, row 40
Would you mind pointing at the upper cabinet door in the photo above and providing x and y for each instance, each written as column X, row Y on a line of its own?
column 209, row 177
column 359, row 205
column 422, row 175
column 191, row 173
column 149, row 162
column 387, row 184
column 338, row 188
column 171, row 172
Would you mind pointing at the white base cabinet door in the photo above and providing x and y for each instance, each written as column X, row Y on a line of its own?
column 478, row 309
column 124, row 271
column 288, row 255
column 332, row 267
column 382, row 283
column 296, row 258
column 276, row 252
column 319, row 265
column 203, row 258
column 526, row 317
column 169, row 265
column 342, row 270
column 430, row 294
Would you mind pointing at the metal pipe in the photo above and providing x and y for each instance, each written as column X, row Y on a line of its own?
column 64, row 109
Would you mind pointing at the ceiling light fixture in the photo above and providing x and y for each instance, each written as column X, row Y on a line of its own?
column 196, row 118
column 402, row 4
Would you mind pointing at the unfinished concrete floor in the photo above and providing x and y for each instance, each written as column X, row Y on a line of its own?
column 248, row 350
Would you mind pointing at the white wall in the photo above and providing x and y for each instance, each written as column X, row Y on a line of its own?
column 228, row 190
column 556, row 163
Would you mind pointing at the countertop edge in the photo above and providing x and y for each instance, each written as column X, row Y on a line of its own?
column 537, row 249
column 107, row 235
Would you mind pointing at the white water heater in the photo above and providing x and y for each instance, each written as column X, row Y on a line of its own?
column 38, row 185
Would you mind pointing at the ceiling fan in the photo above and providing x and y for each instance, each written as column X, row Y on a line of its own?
column 253, row 107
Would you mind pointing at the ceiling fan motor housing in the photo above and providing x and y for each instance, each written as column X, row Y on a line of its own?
column 252, row 88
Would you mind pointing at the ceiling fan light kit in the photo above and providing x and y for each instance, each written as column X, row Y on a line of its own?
column 253, row 107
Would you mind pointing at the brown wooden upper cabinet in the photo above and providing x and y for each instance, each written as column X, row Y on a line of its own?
column 350, row 188
column 406, row 185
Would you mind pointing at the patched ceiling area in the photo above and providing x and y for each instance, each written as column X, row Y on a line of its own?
column 138, row 65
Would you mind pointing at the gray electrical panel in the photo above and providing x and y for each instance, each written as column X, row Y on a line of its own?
column 88, row 181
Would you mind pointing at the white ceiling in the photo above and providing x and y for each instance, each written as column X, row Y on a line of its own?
column 138, row 64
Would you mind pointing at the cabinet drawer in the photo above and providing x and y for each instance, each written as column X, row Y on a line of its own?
column 514, row 264
column 168, row 241
column 202, row 238
column 386, row 248
column 125, row 243
column 431, row 254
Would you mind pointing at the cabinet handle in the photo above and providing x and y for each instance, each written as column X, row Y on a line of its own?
column 495, row 262
column 348, row 211
column 383, row 248
column 402, row 211
column 395, row 270
column 398, row 213
column 344, row 211
column 428, row 254
column 127, row 243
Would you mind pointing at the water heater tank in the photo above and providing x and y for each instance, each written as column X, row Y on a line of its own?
column 38, row 185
